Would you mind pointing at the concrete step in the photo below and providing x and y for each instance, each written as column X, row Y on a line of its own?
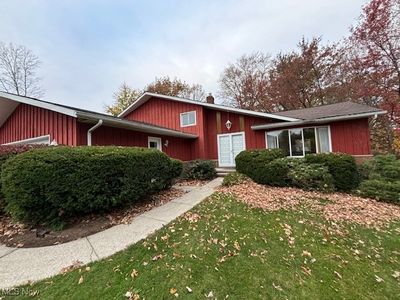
column 222, row 172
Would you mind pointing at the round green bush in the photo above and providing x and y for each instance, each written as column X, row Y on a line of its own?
column 49, row 186
column 199, row 169
column 313, row 177
column 254, row 163
column 381, row 190
column 341, row 166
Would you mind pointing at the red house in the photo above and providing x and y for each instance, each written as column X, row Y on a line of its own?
column 187, row 129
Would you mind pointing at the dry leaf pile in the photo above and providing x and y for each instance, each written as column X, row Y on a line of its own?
column 335, row 207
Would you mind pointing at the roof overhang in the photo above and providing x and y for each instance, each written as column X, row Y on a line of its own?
column 146, row 96
column 132, row 125
column 9, row 103
column 317, row 121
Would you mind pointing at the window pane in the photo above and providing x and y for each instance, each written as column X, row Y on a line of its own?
column 191, row 118
column 272, row 141
column 296, row 139
column 283, row 138
column 323, row 139
column 310, row 145
column 188, row 118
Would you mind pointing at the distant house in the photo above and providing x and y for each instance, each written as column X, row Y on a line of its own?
column 187, row 129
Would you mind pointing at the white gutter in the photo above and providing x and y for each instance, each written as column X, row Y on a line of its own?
column 134, row 125
column 318, row 121
column 89, row 133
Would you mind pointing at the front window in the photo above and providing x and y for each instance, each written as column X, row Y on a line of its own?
column 188, row 118
column 154, row 143
column 300, row 141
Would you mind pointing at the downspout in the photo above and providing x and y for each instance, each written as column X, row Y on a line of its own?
column 89, row 133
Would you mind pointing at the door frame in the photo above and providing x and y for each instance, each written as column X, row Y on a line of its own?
column 231, row 146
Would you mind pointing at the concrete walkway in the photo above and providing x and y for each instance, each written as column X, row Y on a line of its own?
column 18, row 265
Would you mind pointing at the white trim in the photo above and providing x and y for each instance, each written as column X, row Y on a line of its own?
column 38, row 103
column 134, row 125
column 317, row 121
column 233, row 164
column 185, row 113
column 154, row 139
column 302, row 134
column 146, row 96
column 34, row 140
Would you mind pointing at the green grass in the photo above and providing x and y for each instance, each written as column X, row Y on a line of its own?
column 345, row 262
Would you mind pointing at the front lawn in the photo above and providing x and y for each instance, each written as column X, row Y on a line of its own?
column 223, row 249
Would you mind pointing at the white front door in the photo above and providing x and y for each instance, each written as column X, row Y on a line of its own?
column 230, row 145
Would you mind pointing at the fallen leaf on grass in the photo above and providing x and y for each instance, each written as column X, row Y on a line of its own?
column 337, row 274
column 189, row 289
column 157, row 257
column 134, row 273
column 75, row 265
column 172, row 291
column 306, row 270
column 306, row 253
column 396, row 274
column 236, row 245
column 278, row 287
column 80, row 280
column 378, row 279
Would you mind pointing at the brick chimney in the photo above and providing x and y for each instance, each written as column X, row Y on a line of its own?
column 210, row 98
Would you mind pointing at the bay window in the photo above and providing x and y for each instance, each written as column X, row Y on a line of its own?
column 297, row 142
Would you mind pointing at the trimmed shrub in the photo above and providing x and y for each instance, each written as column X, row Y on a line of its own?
column 254, row 163
column 341, row 166
column 381, row 166
column 233, row 179
column 176, row 167
column 381, row 178
column 381, row 190
column 49, row 186
column 313, row 177
column 7, row 152
column 275, row 173
column 199, row 169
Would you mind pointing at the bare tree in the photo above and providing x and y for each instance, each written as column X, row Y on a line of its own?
column 18, row 71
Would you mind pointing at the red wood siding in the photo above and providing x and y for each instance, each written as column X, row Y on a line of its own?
column 166, row 113
column 254, row 139
column 29, row 121
column 351, row 137
column 177, row 147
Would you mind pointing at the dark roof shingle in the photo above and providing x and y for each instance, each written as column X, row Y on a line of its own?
column 330, row 110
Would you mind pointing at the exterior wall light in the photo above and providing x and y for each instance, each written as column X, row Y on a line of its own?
column 228, row 124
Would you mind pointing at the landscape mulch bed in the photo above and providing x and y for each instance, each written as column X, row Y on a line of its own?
column 336, row 207
column 194, row 182
column 17, row 235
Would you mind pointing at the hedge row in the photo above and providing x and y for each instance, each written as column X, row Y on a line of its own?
column 381, row 178
column 7, row 152
column 51, row 185
column 325, row 172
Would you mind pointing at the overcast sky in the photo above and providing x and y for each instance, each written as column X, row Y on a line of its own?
column 88, row 48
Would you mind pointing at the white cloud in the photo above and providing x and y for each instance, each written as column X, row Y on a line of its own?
column 89, row 48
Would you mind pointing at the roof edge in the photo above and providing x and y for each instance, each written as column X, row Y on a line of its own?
column 318, row 121
column 147, row 95
column 38, row 103
column 142, row 127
